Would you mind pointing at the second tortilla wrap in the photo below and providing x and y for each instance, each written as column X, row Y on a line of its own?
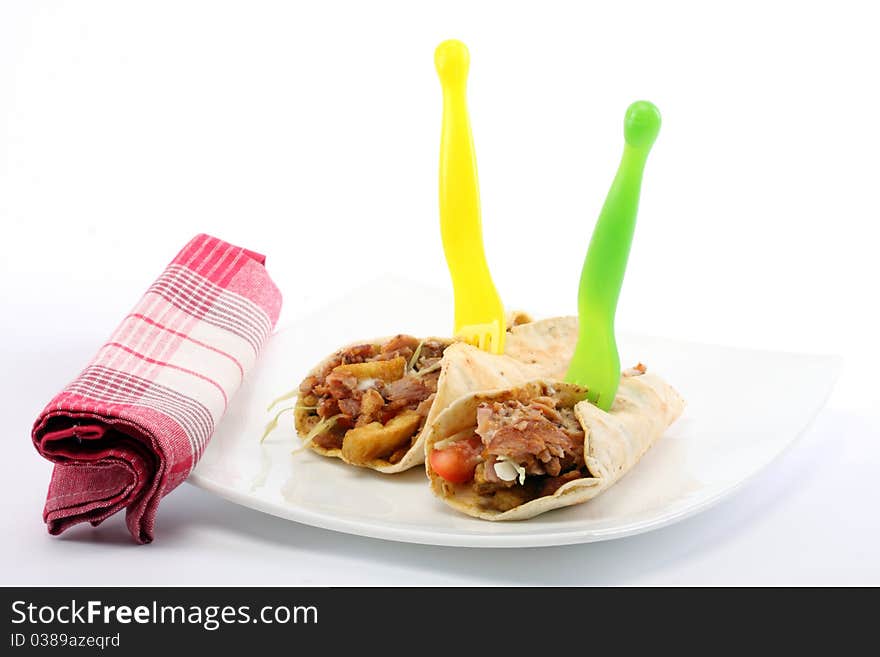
column 614, row 441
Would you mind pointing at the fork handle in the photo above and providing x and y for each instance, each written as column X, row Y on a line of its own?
column 460, row 226
column 596, row 363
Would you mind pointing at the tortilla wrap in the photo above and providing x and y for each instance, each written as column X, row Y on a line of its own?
column 547, row 344
column 614, row 441
column 539, row 349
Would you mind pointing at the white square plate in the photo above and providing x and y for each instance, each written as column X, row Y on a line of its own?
column 745, row 408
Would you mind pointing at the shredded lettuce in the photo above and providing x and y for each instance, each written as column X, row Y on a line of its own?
column 432, row 368
column 321, row 427
column 273, row 423
column 287, row 395
column 415, row 357
column 520, row 470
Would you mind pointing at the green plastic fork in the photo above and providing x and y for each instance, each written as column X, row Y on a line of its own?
column 596, row 363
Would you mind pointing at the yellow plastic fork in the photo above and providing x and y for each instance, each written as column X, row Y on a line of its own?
column 479, row 313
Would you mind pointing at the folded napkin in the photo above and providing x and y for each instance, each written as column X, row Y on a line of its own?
column 132, row 426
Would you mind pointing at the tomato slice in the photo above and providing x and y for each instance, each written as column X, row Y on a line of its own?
column 457, row 462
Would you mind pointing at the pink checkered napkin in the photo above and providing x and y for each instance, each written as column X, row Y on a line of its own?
column 132, row 426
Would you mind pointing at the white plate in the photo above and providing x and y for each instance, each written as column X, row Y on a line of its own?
column 744, row 409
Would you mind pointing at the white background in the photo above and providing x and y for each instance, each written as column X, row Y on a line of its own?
column 310, row 133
